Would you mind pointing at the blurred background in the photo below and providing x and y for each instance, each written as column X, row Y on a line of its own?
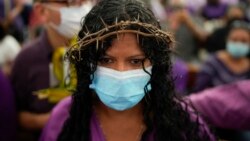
column 212, row 49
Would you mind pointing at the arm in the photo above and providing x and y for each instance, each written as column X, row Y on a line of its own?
column 225, row 106
column 184, row 17
column 33, row 121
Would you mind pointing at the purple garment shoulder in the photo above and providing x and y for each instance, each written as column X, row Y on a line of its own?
column 59, row 115
column 57, row 118
column 8, row 122
column 61, row 112
column 225, row 106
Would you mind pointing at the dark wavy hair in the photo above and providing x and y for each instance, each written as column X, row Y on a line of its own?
column 162, row 110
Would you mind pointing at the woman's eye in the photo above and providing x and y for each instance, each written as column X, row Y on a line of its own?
column 136, row 61
column 106, row 60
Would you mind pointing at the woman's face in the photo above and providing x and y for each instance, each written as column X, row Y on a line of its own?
column 239, row 35
column 238, row 43
column 124, row 54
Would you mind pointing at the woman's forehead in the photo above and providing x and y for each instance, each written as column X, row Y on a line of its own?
column 239, row 32
column 125, row 43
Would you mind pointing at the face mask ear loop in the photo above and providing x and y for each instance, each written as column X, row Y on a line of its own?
column 143, row 67
column 93, row 67
column 146, row 91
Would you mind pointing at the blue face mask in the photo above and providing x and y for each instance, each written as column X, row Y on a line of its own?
column 237, row 49
column 120, row 90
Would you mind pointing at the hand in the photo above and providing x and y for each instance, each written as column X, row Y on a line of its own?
column 20, row 2
column 182, row 16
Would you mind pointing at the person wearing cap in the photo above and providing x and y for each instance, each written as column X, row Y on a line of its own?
column 35, row 71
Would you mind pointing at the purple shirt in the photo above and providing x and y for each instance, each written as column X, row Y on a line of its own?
column 8, row 122
column 225, row 106
column 31, row 73
column 214, row 11
column 214, row 73
column 61, row 112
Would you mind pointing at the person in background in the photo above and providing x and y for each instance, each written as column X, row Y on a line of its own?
column 214, row 9
column 9, row 48
column 125, row 89
column 8, row 124
column 217, row 39
column 39, row 66
column 15, row 16
column 188, row 31
column 229, row 65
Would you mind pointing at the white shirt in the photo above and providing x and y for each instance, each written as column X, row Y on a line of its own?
column 9, row 48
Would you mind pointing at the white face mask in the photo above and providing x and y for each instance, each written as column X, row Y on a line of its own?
column 71, row 20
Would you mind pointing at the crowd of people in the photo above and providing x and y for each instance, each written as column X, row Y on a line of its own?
column 116, row 70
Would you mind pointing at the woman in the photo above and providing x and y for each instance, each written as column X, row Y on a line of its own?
column 231, row 64
column 125, row 90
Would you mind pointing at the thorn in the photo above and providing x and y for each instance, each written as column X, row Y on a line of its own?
column 116, row 20
column 97, row 44
column 106, row 26
column 87, row 29
column 85, row 33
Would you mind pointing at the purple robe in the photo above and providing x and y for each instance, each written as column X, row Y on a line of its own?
column 225, row 106
column 61, row 112
column 8, row 120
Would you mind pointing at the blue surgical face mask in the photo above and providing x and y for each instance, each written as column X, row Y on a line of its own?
column 237, row 49
column 120, row 90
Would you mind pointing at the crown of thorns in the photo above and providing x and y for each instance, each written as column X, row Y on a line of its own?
column 119, row 28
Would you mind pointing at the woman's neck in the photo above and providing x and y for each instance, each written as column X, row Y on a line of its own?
column 116, row 125
column 104, row 111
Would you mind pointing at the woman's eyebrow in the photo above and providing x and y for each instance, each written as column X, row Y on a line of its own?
column 139, row 55
column 107, row 55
